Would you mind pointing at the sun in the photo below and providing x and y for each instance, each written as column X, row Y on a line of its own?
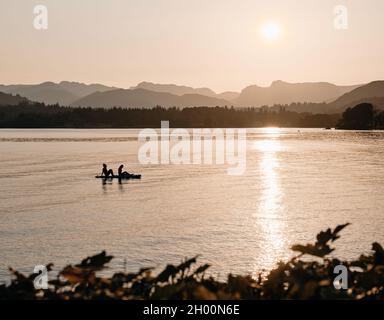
column 270, row 31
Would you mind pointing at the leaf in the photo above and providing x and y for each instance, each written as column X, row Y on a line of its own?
column 340, row 227
column 18, row 275
column 96, row 262
column 317, row 251
column 169, row 271
column 379, row 253
column 321, row 247
column 187, row 264
column 323, row 237
column 77, row 275
column 201, row 269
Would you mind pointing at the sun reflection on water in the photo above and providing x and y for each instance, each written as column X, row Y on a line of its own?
column 271, row 132
column 269, row 214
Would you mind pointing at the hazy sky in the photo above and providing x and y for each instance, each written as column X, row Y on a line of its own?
column 213, row 43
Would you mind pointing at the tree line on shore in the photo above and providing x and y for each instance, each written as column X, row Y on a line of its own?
column 38, row 115
column 364, row 116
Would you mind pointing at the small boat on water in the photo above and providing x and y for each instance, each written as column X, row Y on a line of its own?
column 124, row 177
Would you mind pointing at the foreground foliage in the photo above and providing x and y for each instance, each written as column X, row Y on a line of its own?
column 299, row 278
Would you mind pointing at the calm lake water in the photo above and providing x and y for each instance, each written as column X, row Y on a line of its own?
column 297, row 182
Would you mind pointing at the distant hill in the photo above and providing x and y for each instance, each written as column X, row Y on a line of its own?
column 372, row 92
column 146, row 98
column 63, row 93
column 10, row 100
column 47, row 92
column 228, row 95
column 182, row 90
column 316, row 97
column 174, row 89
column 82, row 90
column 281, row 92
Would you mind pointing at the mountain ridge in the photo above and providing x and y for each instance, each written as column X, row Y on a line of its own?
column 321, row 97
column 63, row 93
column 175, row 89
column 143, row 98
column 280, row 92
column 369, row 91
column 10, row 100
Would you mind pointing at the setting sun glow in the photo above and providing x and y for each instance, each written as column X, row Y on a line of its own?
column 270, row 31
